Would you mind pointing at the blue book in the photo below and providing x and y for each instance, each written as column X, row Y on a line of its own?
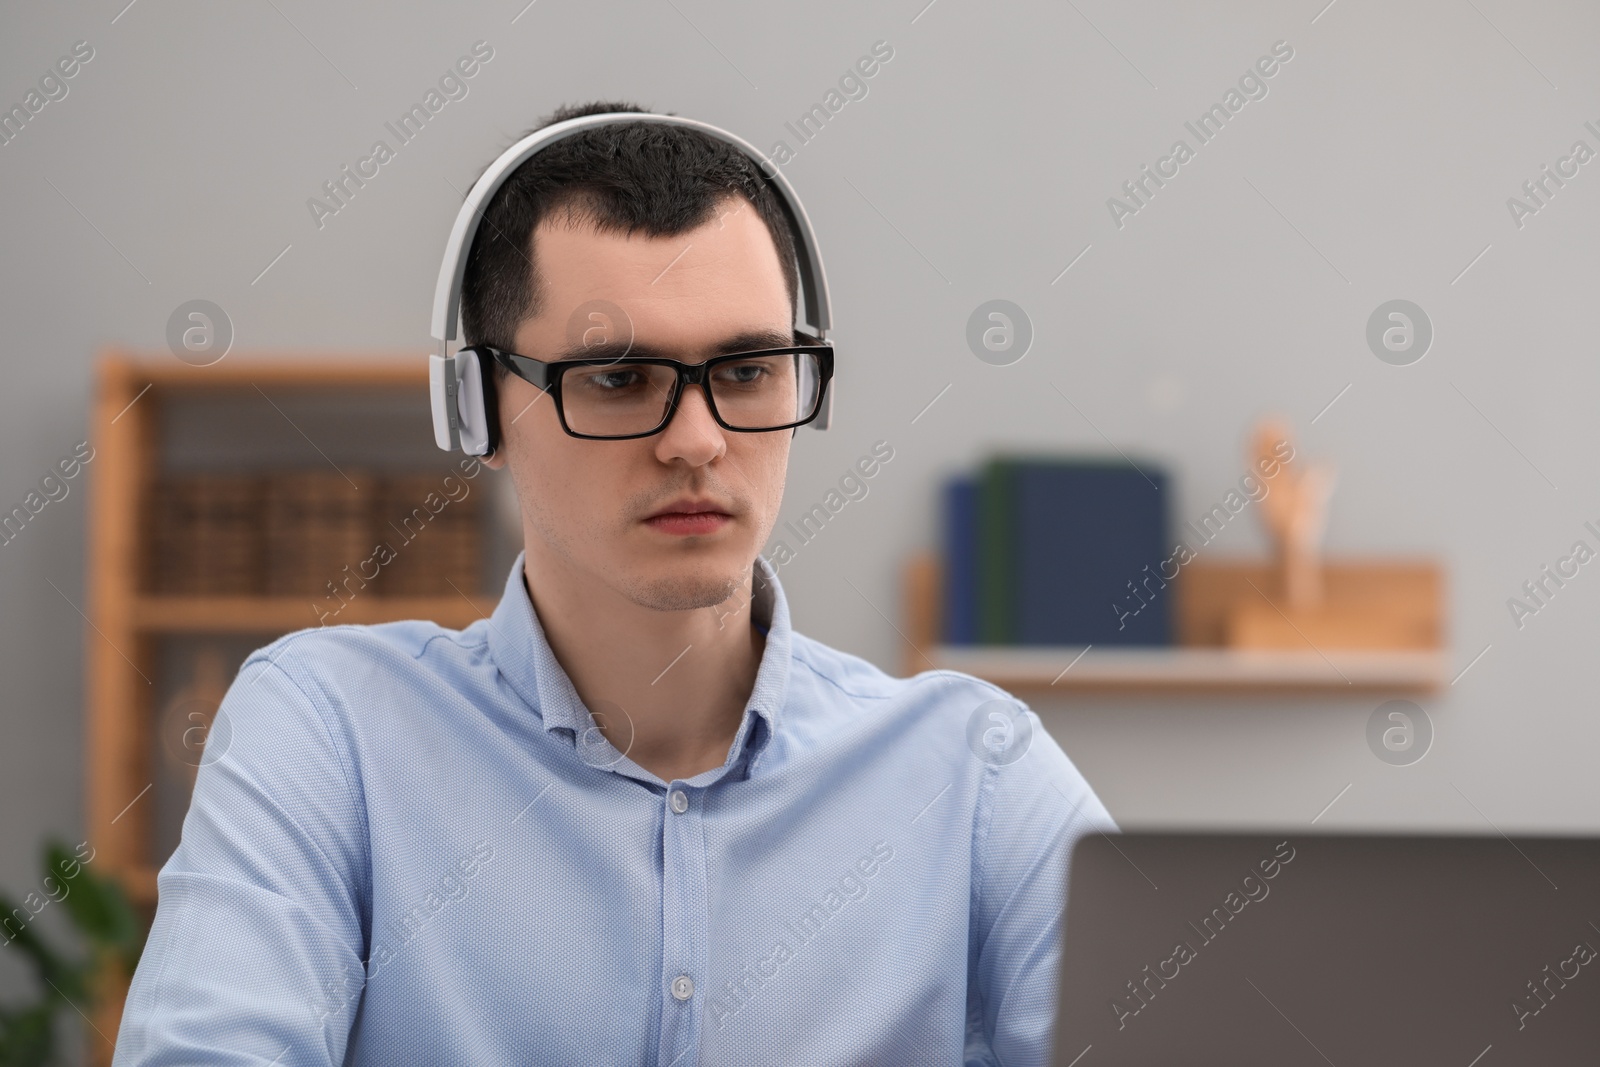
column 1091, row 540
column 960, row 552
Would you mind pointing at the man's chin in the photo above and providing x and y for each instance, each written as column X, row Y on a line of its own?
column 687, row 584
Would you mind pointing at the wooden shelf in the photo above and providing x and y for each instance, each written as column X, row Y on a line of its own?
column 247, row 614
column 1201, row 661
column 1192, row 669
column 244, row 370
column 140, row 884
column 127, row 631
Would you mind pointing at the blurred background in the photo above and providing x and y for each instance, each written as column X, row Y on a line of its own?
column 1380, row 232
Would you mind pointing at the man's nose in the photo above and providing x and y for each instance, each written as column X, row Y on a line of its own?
column 692, row 433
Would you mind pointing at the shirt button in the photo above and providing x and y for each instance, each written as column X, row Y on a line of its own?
column 683, row 987
column 680, row 804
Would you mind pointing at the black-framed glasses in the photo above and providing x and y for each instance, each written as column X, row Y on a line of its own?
column 616, row 398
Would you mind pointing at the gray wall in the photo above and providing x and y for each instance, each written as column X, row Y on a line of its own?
column 977, row 166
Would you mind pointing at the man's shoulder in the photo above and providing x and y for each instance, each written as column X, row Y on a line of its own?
column 854, row 676
column 979, row 726
column 323, row 656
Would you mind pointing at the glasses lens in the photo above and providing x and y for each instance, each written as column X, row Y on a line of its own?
column 617, row 398
column 623, row 398
column 765, row 392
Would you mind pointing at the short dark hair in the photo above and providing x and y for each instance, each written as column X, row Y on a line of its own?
column 657, row 178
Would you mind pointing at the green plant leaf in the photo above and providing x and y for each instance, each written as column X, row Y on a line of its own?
column 85, row 906
column 27, row 1038
column 64, row 976
column 98, row 906
column 101, row 914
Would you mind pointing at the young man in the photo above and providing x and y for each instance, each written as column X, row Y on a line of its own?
column 632, row 817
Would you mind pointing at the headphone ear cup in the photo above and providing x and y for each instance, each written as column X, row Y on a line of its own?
column 475, row 402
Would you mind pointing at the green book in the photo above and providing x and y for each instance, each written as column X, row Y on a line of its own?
column 996, row 553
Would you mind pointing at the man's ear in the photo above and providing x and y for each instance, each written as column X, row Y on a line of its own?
column 497, row 459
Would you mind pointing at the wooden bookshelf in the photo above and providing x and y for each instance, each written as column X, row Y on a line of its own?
column 1202, row 662
column 253, row 615
column 128, row 625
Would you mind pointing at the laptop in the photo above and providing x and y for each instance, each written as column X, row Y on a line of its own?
column 1288, row 949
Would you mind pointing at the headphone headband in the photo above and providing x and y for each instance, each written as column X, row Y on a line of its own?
column 461, row 386
column 447, row 295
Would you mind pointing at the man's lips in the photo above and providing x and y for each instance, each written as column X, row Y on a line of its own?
column 679, row 522
column 691, row 505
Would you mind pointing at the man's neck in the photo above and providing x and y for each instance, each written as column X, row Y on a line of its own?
column 681, row 679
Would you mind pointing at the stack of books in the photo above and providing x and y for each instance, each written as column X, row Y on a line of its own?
column 449, row 553
column 204, row 538
column 314, row 524
column 312, row 532
column 1057, row 550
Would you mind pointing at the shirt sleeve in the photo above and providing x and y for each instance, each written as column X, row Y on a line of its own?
column 256, row 952
column 1030, row 815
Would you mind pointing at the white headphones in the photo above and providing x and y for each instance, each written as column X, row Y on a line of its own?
column 461, row 386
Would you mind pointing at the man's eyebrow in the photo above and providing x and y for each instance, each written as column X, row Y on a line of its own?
column 747, row 341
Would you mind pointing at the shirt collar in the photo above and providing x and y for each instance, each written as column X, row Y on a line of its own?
column 520, row 651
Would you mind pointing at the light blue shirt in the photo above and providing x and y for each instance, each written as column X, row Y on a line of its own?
column 411, row 845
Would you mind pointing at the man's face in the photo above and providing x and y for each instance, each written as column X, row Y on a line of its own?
column 585, row 502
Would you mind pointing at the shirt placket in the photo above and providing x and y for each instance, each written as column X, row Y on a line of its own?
column 684, row 925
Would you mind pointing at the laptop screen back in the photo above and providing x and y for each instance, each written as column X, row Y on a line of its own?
column 1247, row 949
